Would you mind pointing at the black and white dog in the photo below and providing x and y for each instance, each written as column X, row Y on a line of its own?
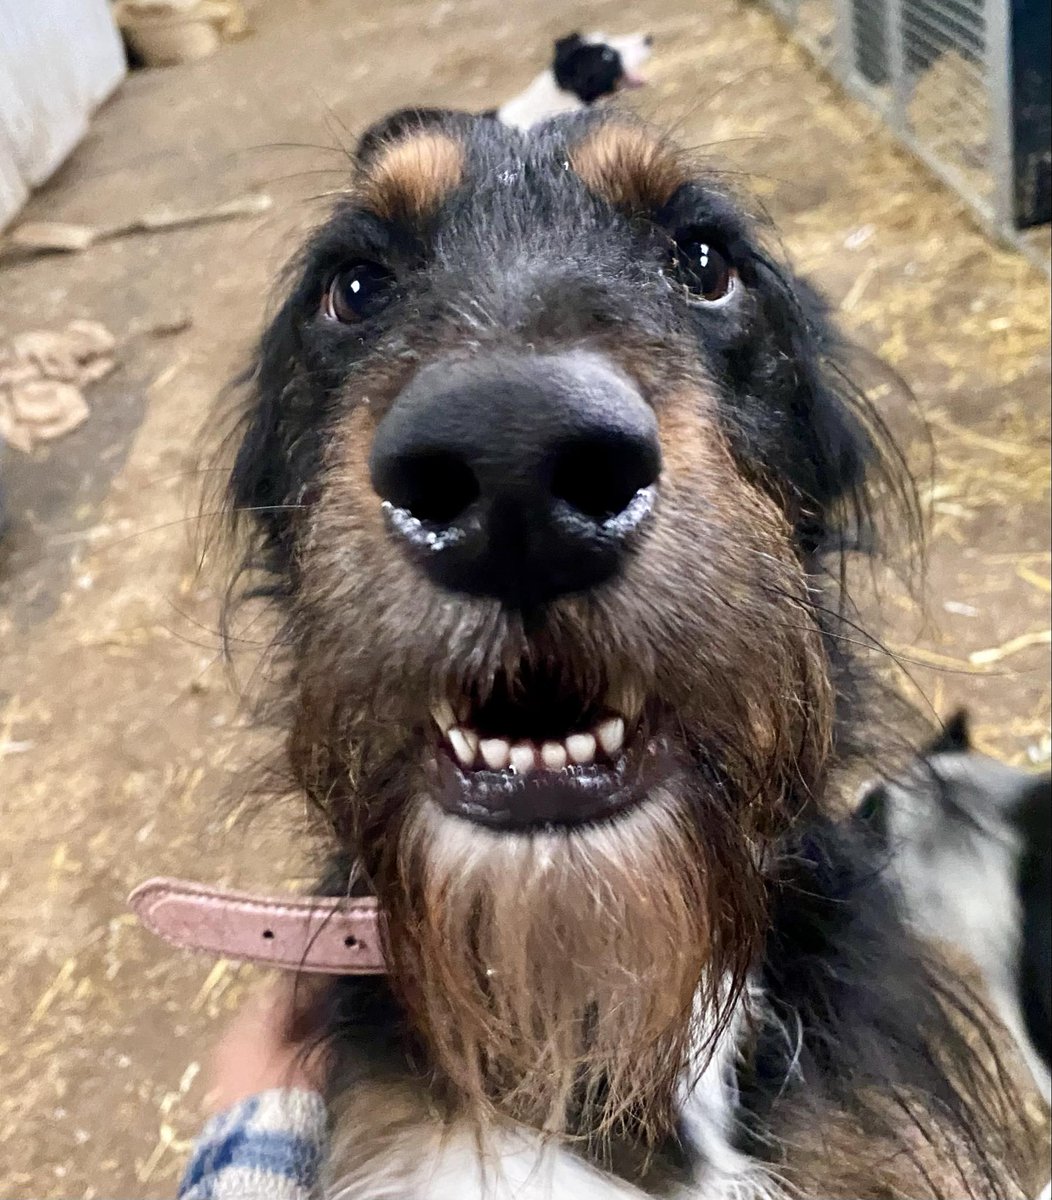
column 583, row 70
column 970, row 844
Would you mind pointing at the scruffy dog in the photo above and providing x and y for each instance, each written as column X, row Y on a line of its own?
column 544, row 455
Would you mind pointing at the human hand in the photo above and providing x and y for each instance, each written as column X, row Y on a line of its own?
column 272, row 1042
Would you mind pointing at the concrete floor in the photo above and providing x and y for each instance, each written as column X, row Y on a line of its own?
column 123, row 748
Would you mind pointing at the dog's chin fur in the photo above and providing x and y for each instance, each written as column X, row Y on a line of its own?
column 553, row 975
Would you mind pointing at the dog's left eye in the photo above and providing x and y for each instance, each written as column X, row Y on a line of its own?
column 356, row 292
column 704, row 268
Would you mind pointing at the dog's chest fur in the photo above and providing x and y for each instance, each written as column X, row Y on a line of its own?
column 803, row 1095
column 388, row 1144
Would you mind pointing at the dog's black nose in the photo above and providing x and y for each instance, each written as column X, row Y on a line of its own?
column 648, row 39
column 519, row 478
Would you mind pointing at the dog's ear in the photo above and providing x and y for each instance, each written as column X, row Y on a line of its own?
column 261, row 484
column 871, row 809
column 1034, row 821
column 565, row 48
column 955, row 737
column 399, row 124
column 828, row 447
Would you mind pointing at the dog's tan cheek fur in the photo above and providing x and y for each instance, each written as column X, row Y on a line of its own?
column 748, row 562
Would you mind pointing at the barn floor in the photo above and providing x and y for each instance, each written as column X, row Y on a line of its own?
column 121, row 738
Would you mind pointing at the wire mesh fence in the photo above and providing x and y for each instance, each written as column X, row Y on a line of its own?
column 966, row 84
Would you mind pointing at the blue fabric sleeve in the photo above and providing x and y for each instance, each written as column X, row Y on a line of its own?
column 268, row 1147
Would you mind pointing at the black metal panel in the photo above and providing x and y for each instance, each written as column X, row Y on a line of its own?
column 869, row 39
column 1032, row 111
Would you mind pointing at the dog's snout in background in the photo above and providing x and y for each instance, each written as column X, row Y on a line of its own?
column 518, row 478
column 634, row 49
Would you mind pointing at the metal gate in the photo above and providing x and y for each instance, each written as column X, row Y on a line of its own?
column 965, row 84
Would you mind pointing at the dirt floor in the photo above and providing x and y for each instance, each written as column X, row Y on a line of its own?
column 121, row 735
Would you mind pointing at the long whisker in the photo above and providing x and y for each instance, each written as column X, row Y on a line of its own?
column 222, row 638
column 75, row 534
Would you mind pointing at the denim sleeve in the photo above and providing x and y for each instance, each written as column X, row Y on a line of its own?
column 268, row 1147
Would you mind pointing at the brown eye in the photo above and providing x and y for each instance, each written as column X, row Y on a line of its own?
column 357, row 292
column 705, row 270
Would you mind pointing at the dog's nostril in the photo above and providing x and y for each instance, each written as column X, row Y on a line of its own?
column 435, row 486
column 517, row 477
column 599, row 476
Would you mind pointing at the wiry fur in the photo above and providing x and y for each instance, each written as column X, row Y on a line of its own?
column 571, row 997
column 566, row 990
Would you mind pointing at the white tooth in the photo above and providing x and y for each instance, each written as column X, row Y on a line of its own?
column 495, row 752
column 611, row 735
column 464, row 746
column 553, row 755
column 581, row 748
column 523, row 758
column 442, row 711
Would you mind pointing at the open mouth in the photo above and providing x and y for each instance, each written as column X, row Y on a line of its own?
column 536, row 752
column 630, row 80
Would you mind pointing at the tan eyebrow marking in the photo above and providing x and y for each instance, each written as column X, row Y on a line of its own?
column 629, row 166
column 412, row 177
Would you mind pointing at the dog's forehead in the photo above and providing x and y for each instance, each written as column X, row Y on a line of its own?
column 484, row 165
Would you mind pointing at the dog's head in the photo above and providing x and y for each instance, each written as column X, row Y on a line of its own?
column 597, row 65
column 543, row 445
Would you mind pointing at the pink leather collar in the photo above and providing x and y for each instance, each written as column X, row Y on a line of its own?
column 304, row 933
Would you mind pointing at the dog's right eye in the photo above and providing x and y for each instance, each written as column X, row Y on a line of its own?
column 356, row 292
column 704, row 268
